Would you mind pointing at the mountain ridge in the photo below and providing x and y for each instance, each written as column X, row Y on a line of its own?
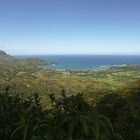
column 6, row 57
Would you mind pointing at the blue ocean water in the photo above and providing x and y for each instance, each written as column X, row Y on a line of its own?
column 86, row 62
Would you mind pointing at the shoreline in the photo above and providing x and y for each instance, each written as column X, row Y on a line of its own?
column 92, row 70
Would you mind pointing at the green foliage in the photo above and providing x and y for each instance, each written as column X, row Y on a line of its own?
column 124, row 112
column 115, row 117
column 108, row 109
column 70, row 118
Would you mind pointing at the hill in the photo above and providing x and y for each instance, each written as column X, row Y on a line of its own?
column 10, row 65
column 2, row 53
column 4, row 56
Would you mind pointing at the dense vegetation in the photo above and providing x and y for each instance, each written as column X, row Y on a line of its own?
column 115, row 117
column 38, row 104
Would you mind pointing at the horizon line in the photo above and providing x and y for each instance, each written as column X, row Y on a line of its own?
column 71, row 54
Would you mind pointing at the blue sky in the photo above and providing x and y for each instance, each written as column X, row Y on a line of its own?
column 70, row 26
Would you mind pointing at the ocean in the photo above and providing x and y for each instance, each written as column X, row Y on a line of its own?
column 85, row 62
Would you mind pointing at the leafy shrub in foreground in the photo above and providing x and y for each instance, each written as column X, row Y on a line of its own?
column 70, row 118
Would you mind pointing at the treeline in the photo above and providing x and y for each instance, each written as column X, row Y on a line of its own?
column 114, row 117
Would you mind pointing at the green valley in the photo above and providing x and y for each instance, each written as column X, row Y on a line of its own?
column 67, row 105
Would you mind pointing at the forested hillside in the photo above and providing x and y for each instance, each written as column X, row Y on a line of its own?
column 38, row 104
column 114, row 117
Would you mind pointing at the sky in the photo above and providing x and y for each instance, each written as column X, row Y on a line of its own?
column 70, row 27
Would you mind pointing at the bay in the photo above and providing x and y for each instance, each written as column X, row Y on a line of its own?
column 86, row 62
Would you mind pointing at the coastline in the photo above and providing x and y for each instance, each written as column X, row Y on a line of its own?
column 102, row 68
column 82, row 63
